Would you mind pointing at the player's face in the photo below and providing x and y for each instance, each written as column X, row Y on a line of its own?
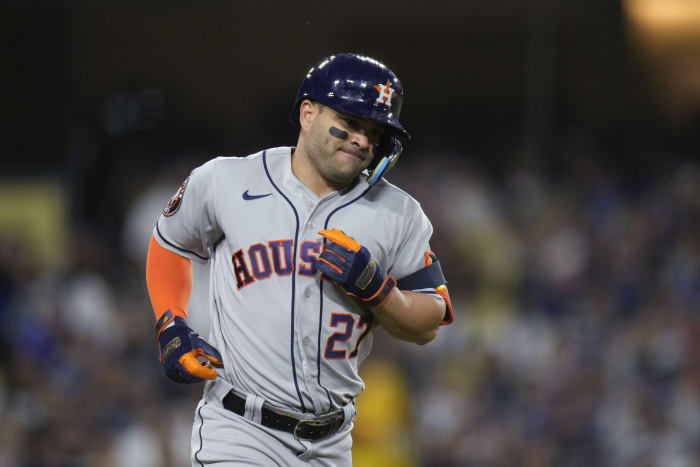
column 339, row 161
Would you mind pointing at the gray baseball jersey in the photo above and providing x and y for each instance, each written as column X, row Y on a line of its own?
column 285, row 335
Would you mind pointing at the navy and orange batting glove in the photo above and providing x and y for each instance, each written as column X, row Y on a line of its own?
column 181, row 349
column 351, row 265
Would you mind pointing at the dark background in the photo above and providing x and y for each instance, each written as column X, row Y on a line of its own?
column 476, row 74
column 554, row 148
column 106, row 93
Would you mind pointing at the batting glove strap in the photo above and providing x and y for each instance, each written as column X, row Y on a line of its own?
column 180, row 349
column 165, row 319
column 382, row 294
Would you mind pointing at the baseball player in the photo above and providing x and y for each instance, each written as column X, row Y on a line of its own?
column 310, row 252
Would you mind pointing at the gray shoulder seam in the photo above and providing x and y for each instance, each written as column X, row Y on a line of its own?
column 408, row 199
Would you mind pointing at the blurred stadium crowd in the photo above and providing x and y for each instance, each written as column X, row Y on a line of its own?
column 576, row 338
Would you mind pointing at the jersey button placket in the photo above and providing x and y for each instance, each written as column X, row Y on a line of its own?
column 307, row 352
column 306, row 368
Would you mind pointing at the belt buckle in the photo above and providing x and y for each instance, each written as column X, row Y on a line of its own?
column 319, row 422
column 301, row 423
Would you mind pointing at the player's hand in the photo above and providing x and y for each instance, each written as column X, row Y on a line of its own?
column 180, row 351
column 351, row 265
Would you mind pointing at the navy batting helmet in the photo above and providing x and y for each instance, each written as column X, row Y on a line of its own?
column 363, row 87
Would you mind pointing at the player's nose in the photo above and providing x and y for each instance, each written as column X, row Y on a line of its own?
column 360, row 139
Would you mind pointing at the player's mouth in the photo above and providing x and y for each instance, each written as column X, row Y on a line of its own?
column 355, row 153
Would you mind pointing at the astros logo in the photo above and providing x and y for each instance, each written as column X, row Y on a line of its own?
column 386, row 92
column 175, row 202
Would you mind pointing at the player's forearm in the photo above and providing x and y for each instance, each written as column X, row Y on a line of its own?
column 411, row 316
column 169, row 280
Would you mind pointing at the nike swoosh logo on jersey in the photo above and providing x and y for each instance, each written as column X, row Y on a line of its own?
column 248, row 197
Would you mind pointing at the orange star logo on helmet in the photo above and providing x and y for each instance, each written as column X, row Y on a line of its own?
column 386, row 93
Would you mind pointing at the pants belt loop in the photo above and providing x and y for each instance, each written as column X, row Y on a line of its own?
column 350, row 412
column 253, row 408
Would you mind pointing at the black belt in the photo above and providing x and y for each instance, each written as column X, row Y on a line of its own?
column 314, row 429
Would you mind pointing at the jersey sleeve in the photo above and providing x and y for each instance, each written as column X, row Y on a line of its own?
column 414, row 241
column 188, row 225
column 416, row 267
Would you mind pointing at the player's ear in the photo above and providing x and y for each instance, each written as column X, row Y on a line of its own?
column 307, row 112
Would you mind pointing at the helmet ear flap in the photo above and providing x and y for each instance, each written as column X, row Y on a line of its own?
column 388, row 151
column 385, row 145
